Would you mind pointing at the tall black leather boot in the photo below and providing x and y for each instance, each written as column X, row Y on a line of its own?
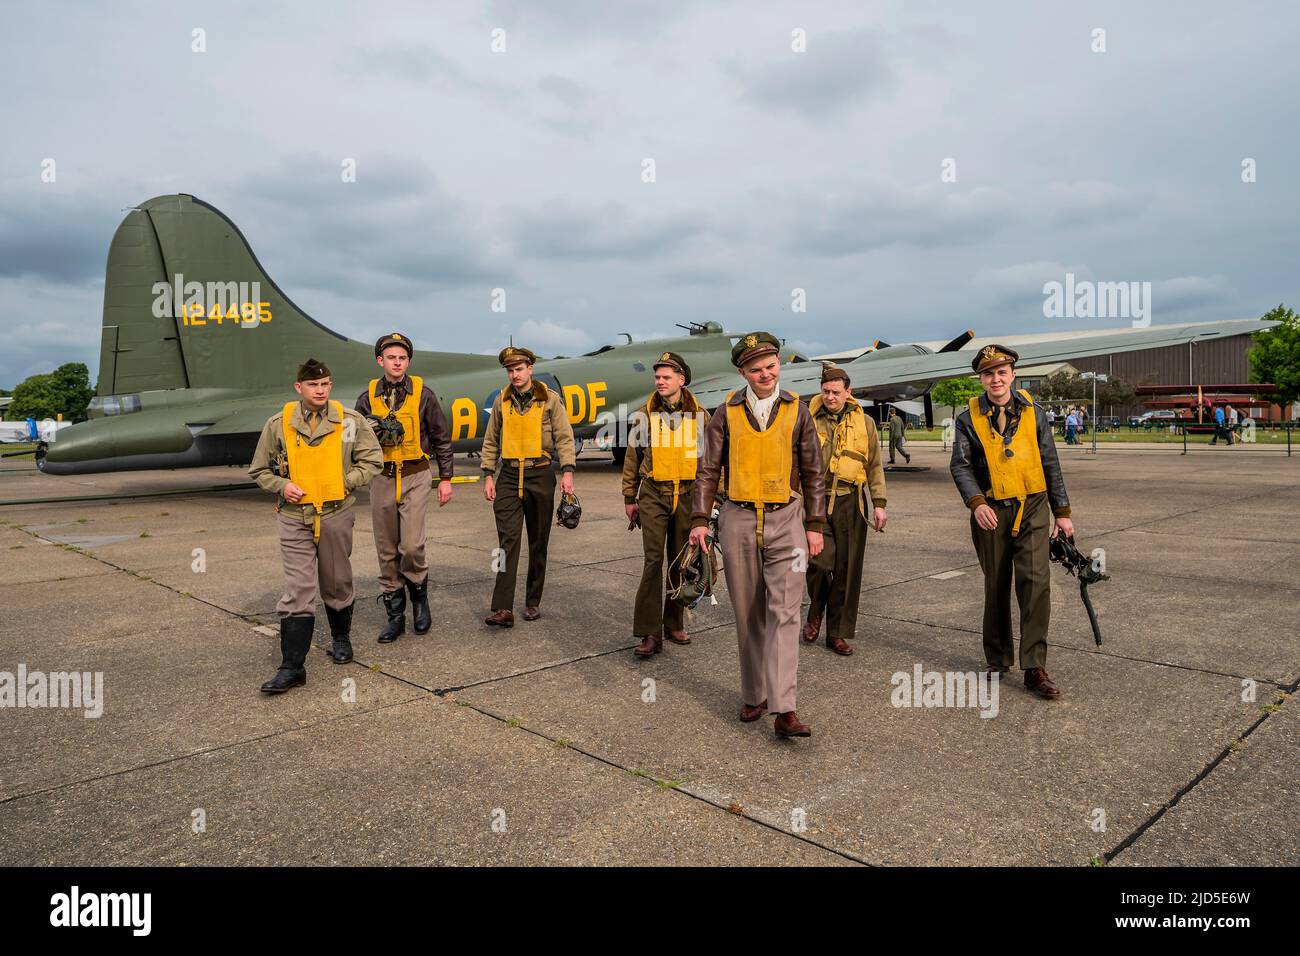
column 295, row 639
column 341, row 631
column 420, row 617
column 395, row 605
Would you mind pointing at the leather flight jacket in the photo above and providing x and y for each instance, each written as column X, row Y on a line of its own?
column 970, row 469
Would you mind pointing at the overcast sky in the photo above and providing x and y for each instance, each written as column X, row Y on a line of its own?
column 774, row 169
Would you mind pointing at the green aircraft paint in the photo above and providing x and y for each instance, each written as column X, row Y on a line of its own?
column 194, row 385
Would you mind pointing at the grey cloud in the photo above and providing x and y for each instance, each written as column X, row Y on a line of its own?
column 878, row 215
column 836, row 70
column 569, row 92
column 1090, row 201
column 568, row 18
column 570, row 231
column 419, row 65
column 393, row 233
column 50, row 232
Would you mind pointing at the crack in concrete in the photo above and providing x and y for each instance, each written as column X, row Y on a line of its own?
column 1187, row 788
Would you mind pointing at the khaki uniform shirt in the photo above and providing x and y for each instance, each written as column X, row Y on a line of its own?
column 362, row 456
column 557, row 433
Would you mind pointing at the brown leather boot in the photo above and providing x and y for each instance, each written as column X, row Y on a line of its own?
column 676, row 636
column 751, row 712
column 787, row 725
column 812, row 628
column 501, row 618
column 650, row 645
column 532, row 613
column 1036, row 680
column 838, row 646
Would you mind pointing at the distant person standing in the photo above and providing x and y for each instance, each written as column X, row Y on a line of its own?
column 1233, row 421
column 897, row 429
column 1072, row 428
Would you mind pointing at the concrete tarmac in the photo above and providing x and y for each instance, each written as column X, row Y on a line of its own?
column 1175, row 742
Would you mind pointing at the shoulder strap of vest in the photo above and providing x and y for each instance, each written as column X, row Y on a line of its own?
column 1025, row 395
column 417, row 383
column 973, row 404
column 374, row 389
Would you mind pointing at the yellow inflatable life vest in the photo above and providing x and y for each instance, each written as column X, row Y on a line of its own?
column 316, row 469
column 675, row 451
column 847, row 461
column 521, row 435
column 409, row 415
column 1015, row 467
column 759, row 463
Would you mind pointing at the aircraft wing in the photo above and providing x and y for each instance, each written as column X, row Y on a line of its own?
column 878, row 369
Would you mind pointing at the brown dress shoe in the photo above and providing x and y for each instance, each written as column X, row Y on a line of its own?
column 812, row 628
column 838, row 646
column 1036, row 680
column 750, row 713
column 650, row 645
column 787, row 725
column 501, row 618
column 677, row 637
column 532, row 613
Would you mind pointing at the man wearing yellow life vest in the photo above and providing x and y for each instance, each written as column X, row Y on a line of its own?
column 314, row 454
column 658, row 475
column 855, row 480
column 399, row 495
column 528, row 430
column 769, row 527
column 1005, row 466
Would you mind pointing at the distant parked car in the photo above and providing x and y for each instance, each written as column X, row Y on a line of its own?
column 1158, row 418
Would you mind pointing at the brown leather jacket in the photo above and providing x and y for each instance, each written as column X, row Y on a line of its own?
column 806, row 471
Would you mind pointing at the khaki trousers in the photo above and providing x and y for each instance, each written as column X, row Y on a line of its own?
column 399, row 529
column 766, row 592
column 309, row 566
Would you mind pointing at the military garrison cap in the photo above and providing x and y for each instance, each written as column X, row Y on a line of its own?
column 394, row 338
column 311, row 370
column 514, row 353
column 675, row 361
column 991, row 356
column 754, row 345
column 832, row 372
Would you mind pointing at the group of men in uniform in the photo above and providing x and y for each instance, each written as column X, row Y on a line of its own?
column 794, row 489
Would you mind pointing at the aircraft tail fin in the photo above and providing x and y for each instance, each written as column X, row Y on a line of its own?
column 187, row 305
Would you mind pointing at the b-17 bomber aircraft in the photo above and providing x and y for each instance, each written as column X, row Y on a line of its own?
column 199, row 346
